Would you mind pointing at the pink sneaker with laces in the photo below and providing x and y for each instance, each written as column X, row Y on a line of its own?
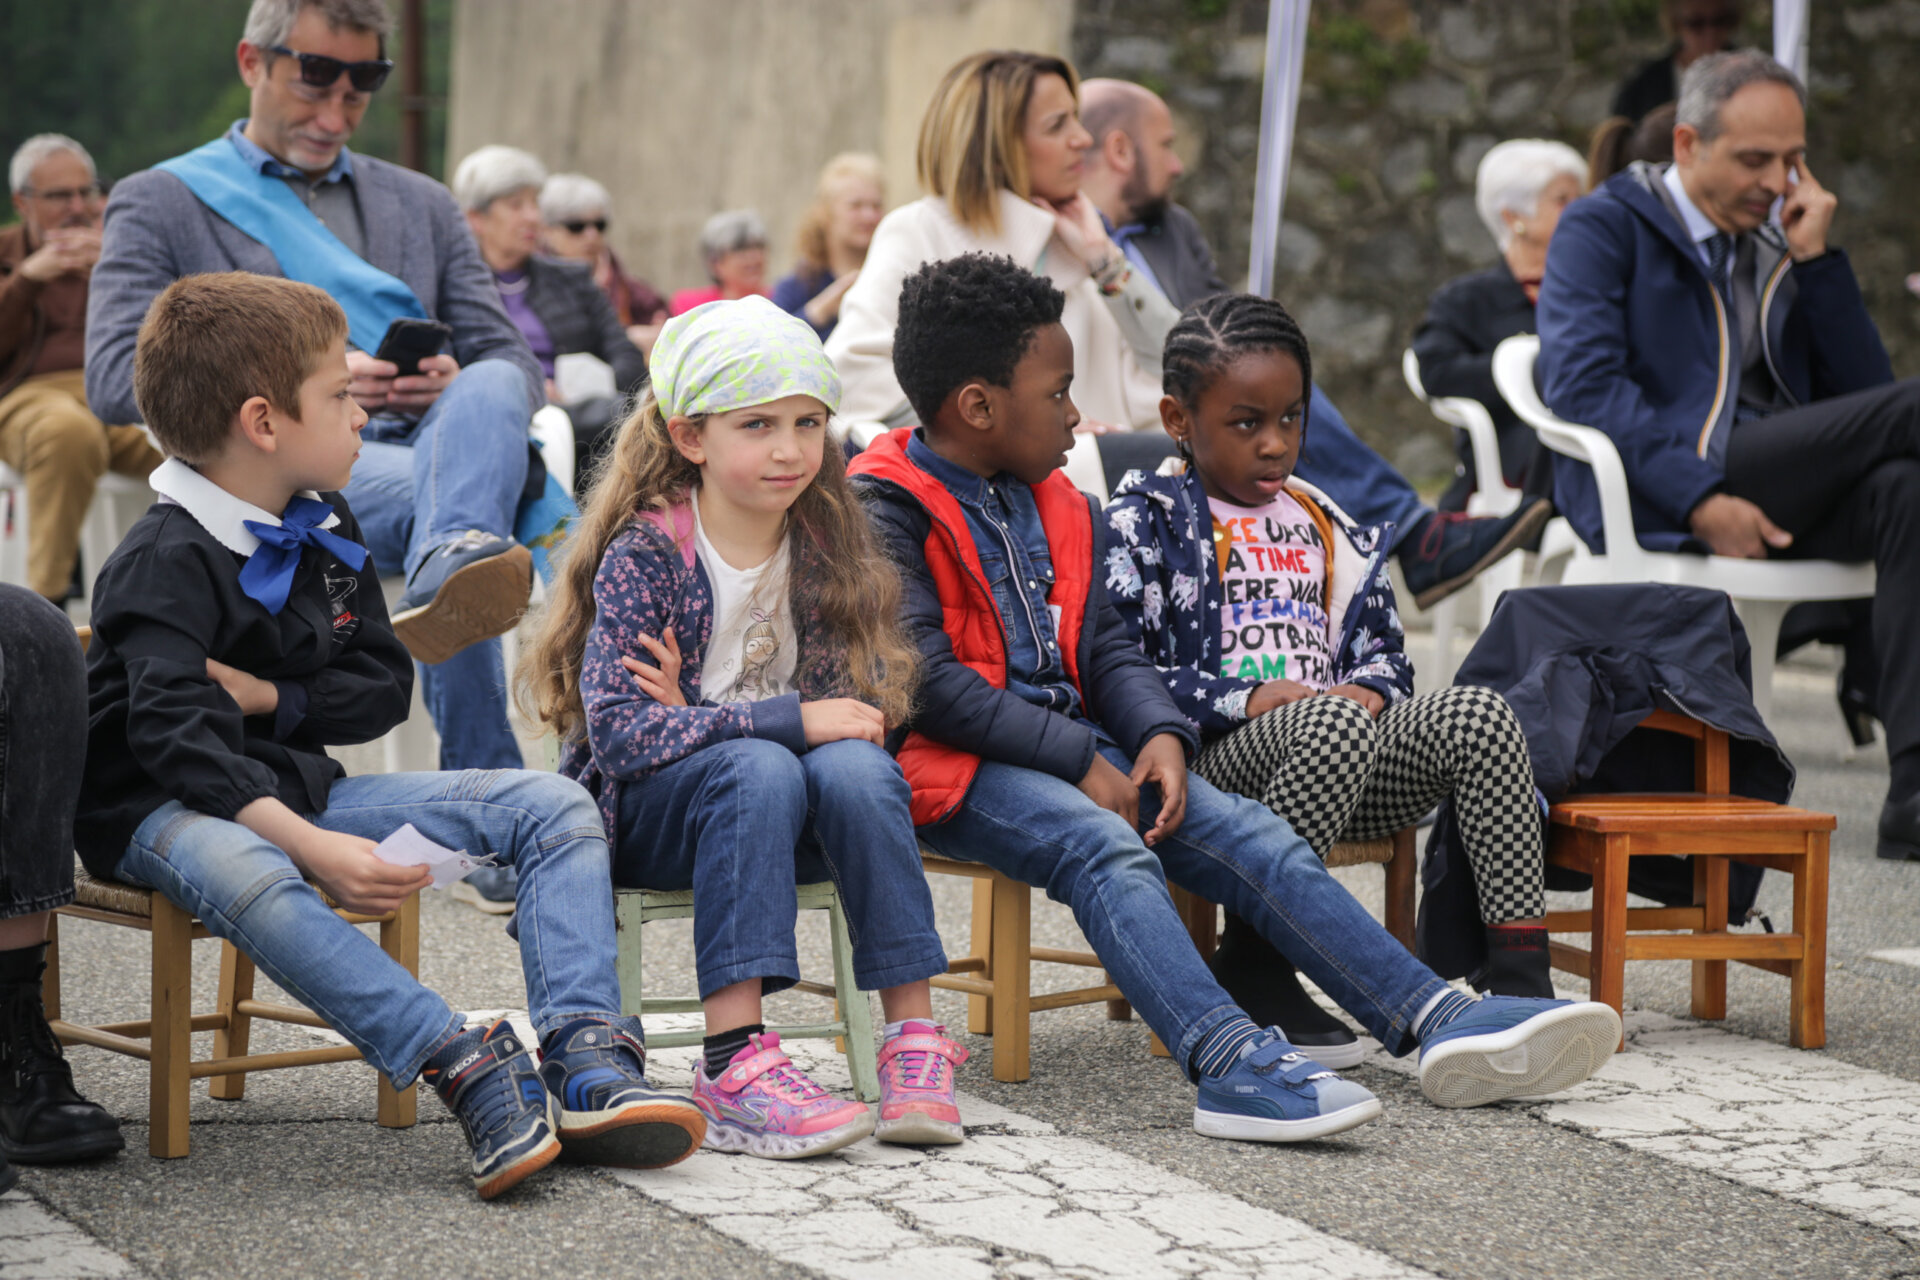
column 916, row 1087
column 765, row 1106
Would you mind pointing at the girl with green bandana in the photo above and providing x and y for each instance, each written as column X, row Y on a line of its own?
column 723, row 660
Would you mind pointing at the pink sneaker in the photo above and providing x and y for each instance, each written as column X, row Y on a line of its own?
column 916, row 1087
column 764, row 1105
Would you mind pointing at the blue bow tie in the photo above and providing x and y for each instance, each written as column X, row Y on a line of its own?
column 267, row 576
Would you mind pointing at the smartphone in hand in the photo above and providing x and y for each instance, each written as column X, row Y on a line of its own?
column 409, row 341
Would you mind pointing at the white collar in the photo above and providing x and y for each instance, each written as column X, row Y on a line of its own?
column 1699, row 226
column 219, row 512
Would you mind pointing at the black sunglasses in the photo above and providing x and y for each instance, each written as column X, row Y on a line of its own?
column 318, row 71
column 576, row 227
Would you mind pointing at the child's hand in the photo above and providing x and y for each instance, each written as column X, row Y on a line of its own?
column 1111, row 789
column 255, row 697
column 353, row 875
column 833, row 719
column 1163, row 762
column 1275, row 694
column 1366, row 697
column 661, row 683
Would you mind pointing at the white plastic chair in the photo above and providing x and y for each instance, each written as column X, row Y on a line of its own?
column 13, row 526
column 552, row 432
column 1492, row 496
column 117, row 502
column 1762, row 590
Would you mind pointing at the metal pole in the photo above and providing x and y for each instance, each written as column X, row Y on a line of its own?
column 1791, row 35
column 413, row 85
column 1279, row 110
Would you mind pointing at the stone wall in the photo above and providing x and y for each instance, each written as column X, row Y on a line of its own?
column 1400, row 100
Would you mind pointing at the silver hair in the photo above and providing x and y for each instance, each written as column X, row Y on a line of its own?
column 270, row 22
column 1513, row 174
column 38, row 148
column 1710, row 81
column 734, row 229
column 495, row 171
column 573, row 195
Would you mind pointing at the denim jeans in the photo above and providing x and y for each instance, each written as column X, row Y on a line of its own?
column 1042, row 830
column 43, row 743
column 247, row 891
column 717, row 822
column 1338, row 463
column 417, row 486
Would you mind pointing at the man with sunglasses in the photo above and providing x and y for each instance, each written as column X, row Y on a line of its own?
column 47, row 433
column 444, row 459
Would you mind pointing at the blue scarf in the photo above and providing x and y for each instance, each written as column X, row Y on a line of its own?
column 262, row 206
column 267, row 576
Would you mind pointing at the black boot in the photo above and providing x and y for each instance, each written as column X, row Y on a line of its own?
column 43, row 1118
column 1265, row 984
column 1518, row 963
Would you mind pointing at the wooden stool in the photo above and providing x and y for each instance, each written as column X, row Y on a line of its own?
column 1599, row 834
column 164, row 1038
column 852, row 1025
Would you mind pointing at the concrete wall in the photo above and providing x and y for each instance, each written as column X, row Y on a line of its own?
column 686, row 107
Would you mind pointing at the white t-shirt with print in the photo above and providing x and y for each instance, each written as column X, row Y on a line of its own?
column 752, row 653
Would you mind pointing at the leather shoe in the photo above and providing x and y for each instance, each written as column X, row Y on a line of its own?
column 1900, row 830
column 43, row 1118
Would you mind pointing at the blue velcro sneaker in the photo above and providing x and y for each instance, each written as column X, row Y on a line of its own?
column 488, row 1080
column 1515, row 1046
column 1275, row 1093
column 465, row 591
column 609, row 1114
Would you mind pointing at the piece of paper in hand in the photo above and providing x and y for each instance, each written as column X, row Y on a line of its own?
column 408, row 848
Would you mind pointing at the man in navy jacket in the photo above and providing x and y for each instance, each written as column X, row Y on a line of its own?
column 1727, row 352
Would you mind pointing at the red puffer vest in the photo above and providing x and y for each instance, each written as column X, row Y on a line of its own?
column 939, row 774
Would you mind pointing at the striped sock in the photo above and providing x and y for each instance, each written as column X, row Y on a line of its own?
column 1221, row 1047
column 1440, row 1010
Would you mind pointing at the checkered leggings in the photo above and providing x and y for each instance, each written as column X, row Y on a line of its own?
column 1331, row 770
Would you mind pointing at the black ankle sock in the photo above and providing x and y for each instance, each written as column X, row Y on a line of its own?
column 1518, row 963
column 1903, row 772
column 23, row 964
column 719, row 1049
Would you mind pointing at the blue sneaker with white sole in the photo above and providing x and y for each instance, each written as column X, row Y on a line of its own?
column 1516, row 1046
column 488, row 1080
column 1275, row 1093
column 596, row 1069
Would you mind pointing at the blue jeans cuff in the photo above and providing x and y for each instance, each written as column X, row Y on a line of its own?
column 898, row 974
column 776, row 973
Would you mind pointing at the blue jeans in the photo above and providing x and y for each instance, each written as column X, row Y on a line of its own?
column 417, row 486
column 1042, row 830
column 1338, row 463
column 247, row 891
column 719, row 822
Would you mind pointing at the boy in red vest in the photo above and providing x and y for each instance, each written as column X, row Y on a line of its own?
column 1046, row 746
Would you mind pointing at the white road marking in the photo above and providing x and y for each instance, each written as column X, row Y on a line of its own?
column 38, row 1244
column 1899, row 955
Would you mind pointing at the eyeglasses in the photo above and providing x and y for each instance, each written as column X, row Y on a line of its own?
column 65, row 195
column 578, row 226
column 318, row 71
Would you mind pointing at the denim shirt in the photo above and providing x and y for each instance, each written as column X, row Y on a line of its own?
column 1012, row 544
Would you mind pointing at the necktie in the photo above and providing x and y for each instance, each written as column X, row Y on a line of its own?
column 1719, row 249
column 267, row 576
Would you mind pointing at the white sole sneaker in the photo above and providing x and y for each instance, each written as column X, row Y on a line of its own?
column 464, row 892
column 918, row 1129
column 1548, row 1052
column 786, row 1146
column 1337, row 1057
column 1226, row 1124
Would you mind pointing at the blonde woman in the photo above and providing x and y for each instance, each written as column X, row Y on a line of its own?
column 848, row 201
column 1002, row 151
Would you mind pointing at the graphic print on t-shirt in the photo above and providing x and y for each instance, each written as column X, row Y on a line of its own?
column 759, row 653
column 1273, row 602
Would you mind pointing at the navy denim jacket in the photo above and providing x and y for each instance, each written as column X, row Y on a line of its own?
column 1012, row 545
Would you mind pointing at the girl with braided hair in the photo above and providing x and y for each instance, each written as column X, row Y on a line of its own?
column 1272, row 622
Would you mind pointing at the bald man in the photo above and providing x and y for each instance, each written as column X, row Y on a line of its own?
column 1130, row 172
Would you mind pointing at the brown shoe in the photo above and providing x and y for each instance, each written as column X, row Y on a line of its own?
column 469, row 590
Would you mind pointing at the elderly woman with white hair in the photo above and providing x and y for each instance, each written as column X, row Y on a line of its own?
column 576, row 210
column 1520, row 190
column 553, row 303
column 734, row 245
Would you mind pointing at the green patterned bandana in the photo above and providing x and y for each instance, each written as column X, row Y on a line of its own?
column 729, row 355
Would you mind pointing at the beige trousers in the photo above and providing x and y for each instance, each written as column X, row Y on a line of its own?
column 52, row 439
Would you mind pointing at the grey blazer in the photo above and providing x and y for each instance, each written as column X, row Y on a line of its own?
column 1177, row 250
column 581, row 318
column 157, row 231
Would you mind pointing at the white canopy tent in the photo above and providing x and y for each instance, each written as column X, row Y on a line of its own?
column 1280, row 107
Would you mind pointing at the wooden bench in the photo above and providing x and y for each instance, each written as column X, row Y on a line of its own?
column 1600, row 834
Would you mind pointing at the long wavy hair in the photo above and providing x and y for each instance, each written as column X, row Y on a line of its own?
column 811, row 249
column 838, row 568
